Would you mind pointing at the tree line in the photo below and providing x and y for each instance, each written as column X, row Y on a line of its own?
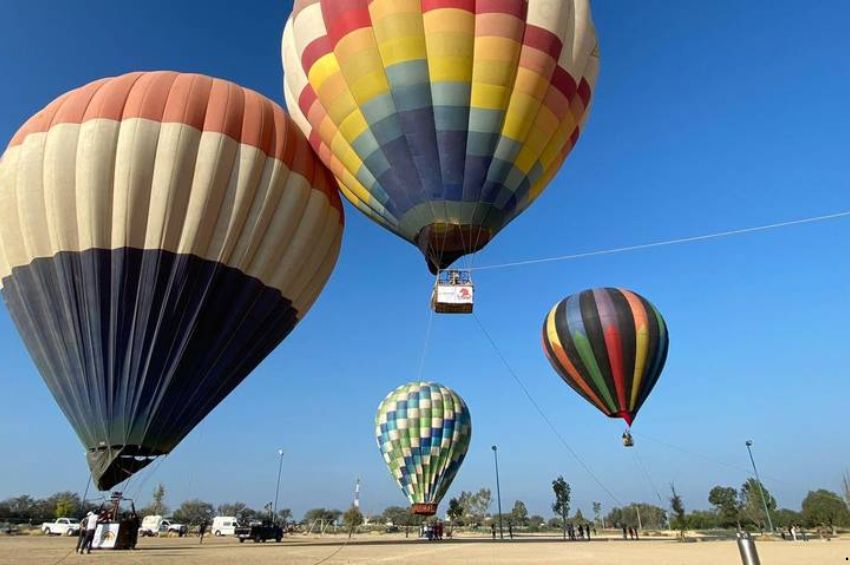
column 741, row 508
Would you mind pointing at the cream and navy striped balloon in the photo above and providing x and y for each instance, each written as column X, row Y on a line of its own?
column 423, row 430
column 442, row 120
column 160, row 234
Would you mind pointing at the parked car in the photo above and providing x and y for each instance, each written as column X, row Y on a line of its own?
column 157, row 525
column 259, row 532
column 224, row 526
column 61, row 527
column 8, row 528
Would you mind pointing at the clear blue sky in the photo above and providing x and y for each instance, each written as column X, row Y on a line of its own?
column 708, row 116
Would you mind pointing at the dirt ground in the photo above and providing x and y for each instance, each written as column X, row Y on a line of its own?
column 396, row 549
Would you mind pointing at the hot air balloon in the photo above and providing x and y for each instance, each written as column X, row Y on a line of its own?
column 160, row 234
column 423, row 431
column 442, row 120
column 610, row 346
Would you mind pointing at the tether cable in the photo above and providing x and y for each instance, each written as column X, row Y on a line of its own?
column 677, row 241
column 542, row 413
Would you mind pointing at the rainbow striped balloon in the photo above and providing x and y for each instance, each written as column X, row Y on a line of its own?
column 442, row 120
column 610, row 346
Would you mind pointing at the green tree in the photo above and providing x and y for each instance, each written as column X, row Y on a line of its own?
column 597, row 513
column 455, row 512
column 66, row 505
column 578, row 518
column 239, row 510
column 616, row 518
column 352, row 518
column 284, row 516
column 519, row 514
column 680, row 521
column 193, row 512
column 158, row 506
column 727, row 505
column 478, row 504
column 561, row 506
column 322, row 514
column 825, row 508
column 785, row 518
column 702, row 520
column 651, row 516
column 751, row 504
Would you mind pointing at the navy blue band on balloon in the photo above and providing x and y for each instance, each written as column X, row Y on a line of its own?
column 137, row 346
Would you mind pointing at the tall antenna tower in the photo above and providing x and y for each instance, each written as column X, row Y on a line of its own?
column 357, row 494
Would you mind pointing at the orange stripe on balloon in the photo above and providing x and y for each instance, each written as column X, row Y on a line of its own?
column 564, row 362
column 204, row 103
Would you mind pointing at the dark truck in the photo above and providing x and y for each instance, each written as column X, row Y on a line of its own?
column 259, row 532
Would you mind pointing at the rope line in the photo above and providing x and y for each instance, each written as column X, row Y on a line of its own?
column 542, row 413
column 427, row 334
column 646, row 475
column 704, row 237
column 709, row 459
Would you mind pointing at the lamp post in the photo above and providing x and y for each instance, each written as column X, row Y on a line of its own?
column 277, row 489
column 749, row 445
column 498, row 492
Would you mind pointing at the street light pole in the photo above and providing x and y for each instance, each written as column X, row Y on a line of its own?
column 498, row 492
column 749, row 445
column 277, row 489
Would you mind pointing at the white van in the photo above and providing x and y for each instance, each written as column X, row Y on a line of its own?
column 157, row 525
column 224, row 526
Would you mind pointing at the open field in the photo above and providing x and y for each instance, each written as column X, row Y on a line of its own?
column 304, row 550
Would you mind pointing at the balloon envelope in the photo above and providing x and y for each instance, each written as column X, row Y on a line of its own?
column 423, row 430
column 610, row 346
column 160, row 234
column 442, row 120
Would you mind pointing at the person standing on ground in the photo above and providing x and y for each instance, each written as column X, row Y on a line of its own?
column 81, row 535
column 511, row 530
column 202, row 529
column 493, row 530
column 135, row 524
column 91, row 527
column 624, row 533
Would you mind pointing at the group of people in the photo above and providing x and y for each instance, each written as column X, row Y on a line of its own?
column 580, row 531
column 129, row 523
column 433, row 531
column 88, row 526
column 630, row 533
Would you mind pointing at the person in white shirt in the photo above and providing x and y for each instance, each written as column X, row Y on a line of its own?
column 90, row 524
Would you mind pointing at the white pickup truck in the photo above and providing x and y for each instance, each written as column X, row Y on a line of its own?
column 61, row 527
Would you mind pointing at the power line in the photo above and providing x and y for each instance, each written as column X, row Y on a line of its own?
column 669, row 242
column 543, row 414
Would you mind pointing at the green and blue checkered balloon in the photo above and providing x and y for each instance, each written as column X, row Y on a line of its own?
column 423, row 431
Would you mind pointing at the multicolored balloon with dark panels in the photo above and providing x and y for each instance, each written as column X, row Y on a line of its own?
column 610, row 346
column 442, row 120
